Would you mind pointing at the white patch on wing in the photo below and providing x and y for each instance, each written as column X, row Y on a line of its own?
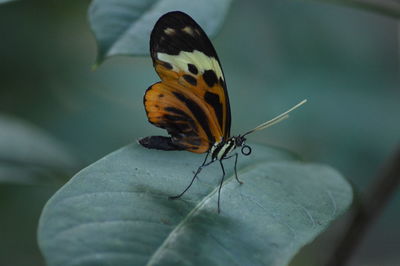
column 169, row 31
column 188, row 30
column 200, row 60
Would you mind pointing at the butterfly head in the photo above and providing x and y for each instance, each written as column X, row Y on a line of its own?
column 240, row 141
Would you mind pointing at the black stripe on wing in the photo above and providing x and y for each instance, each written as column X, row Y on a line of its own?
column 198, row 113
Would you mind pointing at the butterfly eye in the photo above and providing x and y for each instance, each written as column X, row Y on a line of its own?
column 246, row 150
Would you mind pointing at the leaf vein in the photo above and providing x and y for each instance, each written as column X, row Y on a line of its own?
column 333, row 202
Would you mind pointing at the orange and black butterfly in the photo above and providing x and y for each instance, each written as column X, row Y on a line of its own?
column 191, row 101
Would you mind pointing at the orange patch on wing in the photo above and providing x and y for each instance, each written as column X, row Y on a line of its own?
column 165, row 110
column 217, row 109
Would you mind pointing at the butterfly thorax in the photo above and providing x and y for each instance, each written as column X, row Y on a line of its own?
column 221, row 150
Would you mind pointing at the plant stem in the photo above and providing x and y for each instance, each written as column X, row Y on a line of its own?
column 372, row 204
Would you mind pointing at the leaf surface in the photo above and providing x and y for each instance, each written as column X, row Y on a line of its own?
column 116, row 211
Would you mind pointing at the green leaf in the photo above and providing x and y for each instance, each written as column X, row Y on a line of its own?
column 116, row 211
column 122, row 27
column 385, row 7
column 27, row 154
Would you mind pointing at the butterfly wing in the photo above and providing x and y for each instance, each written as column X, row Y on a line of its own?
column 191, row 101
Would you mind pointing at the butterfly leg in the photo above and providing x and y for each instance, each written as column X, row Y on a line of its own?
column 204, row 164
column 220, row 185
column 201, row 166
column 236, row 176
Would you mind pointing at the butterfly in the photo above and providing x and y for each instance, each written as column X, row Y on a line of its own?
column 191, row 101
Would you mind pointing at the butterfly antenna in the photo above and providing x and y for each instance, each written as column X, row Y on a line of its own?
column 276, row 120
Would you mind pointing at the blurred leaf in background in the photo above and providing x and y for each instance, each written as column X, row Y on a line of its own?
column 122, row 27
column 384, row 7
column 6, row 1
column 274, row 53
column 27, row 154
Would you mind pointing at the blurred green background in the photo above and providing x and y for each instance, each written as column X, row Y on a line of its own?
column 274, row 53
